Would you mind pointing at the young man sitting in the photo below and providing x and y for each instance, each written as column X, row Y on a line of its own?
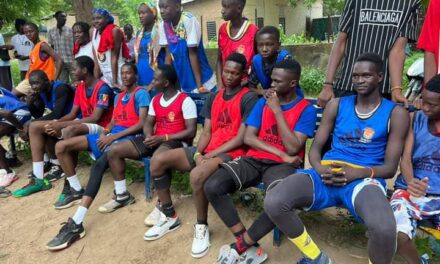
column 417, row 196
column 269, row 53
column 13, row 115
column 220, row 141
column 368, row 137
column 276, row 132
column 128, row 118
column 58, row 98
column 171, row 123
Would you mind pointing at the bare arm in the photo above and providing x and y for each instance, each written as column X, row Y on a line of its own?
column 58, row 60
column 336, row 55
column 117, row 38
column 396, row 61
column 168, row 58
column 189, row 131
column 406, row 166
column 195, row 65
column 149, row 126
column 251, row 139
column 430, row 66
column 11, row 118
column 205, row 137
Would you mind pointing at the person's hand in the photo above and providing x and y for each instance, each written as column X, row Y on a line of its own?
column 24, row 133
column 418, row 188
column 272, row 101
column 397, row 97
column 53, row 129
column 199, row 160
column 154, row 141
column 203, row 90
column 325, row 95
column 104, row 141
column 295, row 160
column 340, row 174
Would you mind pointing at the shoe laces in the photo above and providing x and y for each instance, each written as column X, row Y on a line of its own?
column 199, row 233
column 54, row 169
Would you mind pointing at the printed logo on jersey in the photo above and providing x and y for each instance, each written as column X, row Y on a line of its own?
column 272, row 136
column 224, row 120
column 171, row 116
column 122, row 116
column 367, row 135
column 241, row 49
column 103, row 100
column 380, row 17
column 428, row 163
column 353, row 139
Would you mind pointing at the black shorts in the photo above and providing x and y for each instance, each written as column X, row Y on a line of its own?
column 190, row 151
column 248, row 172
column 145, row 152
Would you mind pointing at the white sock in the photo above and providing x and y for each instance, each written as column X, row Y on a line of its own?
column 38, row 169
column 74, row 182
column 79, row 215
column 55, row 162
column 46, row 157
column 120, row 187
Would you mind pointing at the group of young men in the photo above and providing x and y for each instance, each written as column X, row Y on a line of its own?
column 255, row 129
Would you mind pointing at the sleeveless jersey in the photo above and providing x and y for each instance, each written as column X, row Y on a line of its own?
column 125, row 115
column 243, row 44
column 105, row 60
column 269, row 131
column 9, row 102
column 169, row 120
column 41, row 61
column 226, row 120
column 361, row 142
column 426, row 155
column 88, row 105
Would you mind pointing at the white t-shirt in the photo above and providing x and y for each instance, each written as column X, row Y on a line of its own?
column 23, row 46
column 86, row 50
column 189, row 108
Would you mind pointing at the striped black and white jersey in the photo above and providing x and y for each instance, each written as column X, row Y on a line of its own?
column 374, row 26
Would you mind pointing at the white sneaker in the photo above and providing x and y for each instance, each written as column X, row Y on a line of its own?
column 200, row 245
column 6, row 178
column 156, row 216
column 162, row 228
column 228, row 255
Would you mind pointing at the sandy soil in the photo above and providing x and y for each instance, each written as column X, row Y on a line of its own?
column 27, row 224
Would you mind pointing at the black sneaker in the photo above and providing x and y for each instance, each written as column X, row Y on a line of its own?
column 46, row 168
column 68, row 197
column 69, row 233
column 55, row 173
column 118, row 201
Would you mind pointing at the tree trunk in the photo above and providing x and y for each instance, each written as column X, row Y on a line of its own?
column 83, row 10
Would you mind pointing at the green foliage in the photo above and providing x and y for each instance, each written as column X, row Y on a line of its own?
column 15, row 71
column 312, row 80
column 331, row 7
column 180, row 182
column 408, row 62
column 212, row 44
column 296, row 39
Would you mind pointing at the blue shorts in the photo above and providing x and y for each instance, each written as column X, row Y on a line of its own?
column 96, row 153
column 326, row 196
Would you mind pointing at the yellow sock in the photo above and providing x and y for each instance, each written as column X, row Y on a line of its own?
column 369, row 262
column 306, row 245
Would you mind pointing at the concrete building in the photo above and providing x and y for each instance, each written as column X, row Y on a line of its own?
column 260, row 12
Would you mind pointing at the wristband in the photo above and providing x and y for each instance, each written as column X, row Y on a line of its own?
column 372, row 173
column 329, row 83
column 396, row 88
column 196, row 155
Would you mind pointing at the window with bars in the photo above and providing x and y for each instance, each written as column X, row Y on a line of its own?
column 211, row 27
column 260, row 22
column 282, row 23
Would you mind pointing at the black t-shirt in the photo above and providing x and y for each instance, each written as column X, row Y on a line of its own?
column 374, row 26
column 247, row 103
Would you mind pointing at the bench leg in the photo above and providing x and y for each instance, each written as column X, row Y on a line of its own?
column 148, row 193
column 276, row 237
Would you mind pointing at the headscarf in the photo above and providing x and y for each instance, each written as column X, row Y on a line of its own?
column 107, row 42
column 105, row 13
column 154, row 46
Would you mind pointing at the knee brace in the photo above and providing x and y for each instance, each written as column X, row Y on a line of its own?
column 162, row 182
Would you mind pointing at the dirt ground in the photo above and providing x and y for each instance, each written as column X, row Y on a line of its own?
column 28, row 223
